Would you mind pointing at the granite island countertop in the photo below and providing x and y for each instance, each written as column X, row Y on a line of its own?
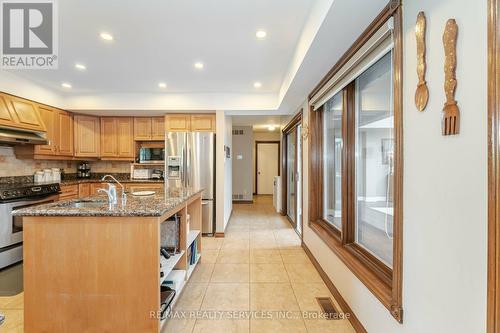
column 154, row 205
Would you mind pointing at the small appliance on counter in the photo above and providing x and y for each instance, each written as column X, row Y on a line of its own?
column 157, row 174
column 142, row 174
column 83, row 170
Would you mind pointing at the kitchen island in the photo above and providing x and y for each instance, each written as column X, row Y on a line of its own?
column 89, row 267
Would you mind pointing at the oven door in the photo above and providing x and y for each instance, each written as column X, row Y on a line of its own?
column 11, row 227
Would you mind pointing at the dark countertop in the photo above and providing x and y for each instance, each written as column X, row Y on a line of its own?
column 95, row 180
column 149, row 206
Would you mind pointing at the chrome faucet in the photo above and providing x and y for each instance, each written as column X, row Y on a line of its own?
column 111, row 191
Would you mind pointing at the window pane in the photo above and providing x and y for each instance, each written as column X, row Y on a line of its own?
column 375, row 159
column 332, row 161
column 290, row 169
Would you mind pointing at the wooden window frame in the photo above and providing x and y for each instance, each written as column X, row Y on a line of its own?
column 292, row 124
column 493, row 312
column 385, row 283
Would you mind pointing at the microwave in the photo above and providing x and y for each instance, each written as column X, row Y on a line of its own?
column 152, row 155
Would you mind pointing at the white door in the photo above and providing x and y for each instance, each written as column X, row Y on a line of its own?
column 267, row 166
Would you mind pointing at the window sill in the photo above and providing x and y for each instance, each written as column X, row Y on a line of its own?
column 377, row 286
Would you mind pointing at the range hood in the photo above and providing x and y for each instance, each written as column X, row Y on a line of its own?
column 10, row 136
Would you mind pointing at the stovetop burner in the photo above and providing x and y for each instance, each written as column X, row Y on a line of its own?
column 12, row 191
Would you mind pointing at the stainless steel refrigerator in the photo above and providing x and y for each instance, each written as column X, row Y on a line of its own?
column 190, row 162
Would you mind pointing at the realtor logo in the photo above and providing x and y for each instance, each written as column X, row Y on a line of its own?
column 29, row 34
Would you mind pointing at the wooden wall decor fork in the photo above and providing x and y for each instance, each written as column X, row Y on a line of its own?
column 451, row 113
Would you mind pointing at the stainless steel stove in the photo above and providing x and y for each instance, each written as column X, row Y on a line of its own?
column 15, row 196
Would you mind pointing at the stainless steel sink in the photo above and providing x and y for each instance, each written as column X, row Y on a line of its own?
column 88, row 204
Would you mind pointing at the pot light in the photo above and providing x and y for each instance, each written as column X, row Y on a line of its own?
column 257, row 85
column 271, row 128
column 106, row 36
column 162, row 85
column 80, row 67
column 198, row 65
column 261, row 34
column 66, row 85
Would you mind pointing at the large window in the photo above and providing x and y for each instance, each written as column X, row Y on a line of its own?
column 332, row 161
column 355, row 196
column 374, row 165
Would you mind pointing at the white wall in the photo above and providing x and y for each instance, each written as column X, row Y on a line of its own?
column 445, row 189
column 223, row 187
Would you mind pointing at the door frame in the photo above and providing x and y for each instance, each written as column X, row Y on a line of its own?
column 493, row 312
column 292, row 125
column 257, row 143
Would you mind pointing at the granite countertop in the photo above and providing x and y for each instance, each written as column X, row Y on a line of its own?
column 98, row 180
column 148, row 206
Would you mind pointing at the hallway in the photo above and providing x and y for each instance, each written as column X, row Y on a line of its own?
column 259, row 269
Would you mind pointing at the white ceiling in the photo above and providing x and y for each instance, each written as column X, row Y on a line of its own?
column 259, row 123
column 160, row 41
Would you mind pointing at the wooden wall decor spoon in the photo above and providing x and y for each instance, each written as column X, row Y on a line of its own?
column 422, row 92
column 451, row 114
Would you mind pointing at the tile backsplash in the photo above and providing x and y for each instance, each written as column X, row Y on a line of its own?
column 11, row 166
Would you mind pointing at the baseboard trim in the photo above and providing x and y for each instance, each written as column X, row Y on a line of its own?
column 219, row 234
column 243, row 201
column 356, row 324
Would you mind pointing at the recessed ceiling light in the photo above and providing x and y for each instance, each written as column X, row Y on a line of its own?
column 261, row 34
column 162, row 85
column 66, row 85
column 257, row 85
column 271, row 127
column 198, row 65
column 106, row 36
column 81, row 67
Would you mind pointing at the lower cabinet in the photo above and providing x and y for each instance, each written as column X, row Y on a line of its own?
column 136, row 187
column 83, row 190
column 68, row 192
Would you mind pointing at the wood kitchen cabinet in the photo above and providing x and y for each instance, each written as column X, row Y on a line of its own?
column 83, row 190
column 178, row 122
column 158, row 128
column 94, row 187
column 142, row 128
column 190, row 122
column 20, row 113
column 149, row 128
column 87, row 136
column 68, row 192
column 203, row 123
column 117, row 138
column 59, row 126
column 136, row 187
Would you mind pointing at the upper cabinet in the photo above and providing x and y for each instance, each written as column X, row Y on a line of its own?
column 59, row 125
column 117, row 138
column 65, row 134
column 178, row 122
column 190, row 122
column 87, row 136
column 59, row 133
column 149, row 128
column 142, row 128
column 203, row 123
column 158, row 128
column 20, row 113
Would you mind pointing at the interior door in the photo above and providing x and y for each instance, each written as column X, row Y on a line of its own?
column 293, row 169
column 267, row 166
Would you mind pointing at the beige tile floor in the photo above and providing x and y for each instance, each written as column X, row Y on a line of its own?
column 258, row 267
